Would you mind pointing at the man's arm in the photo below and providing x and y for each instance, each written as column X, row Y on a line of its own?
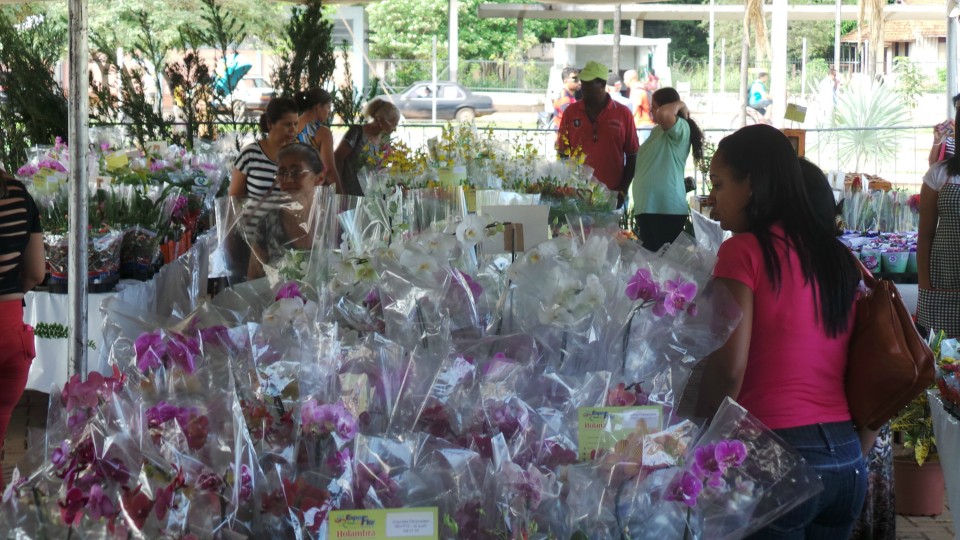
column 629, row 168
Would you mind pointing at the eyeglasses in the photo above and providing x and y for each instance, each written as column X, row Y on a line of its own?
column 387, row 124
column 283, row 173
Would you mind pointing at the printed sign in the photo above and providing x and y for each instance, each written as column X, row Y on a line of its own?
column 605, row 429
column 406, row 523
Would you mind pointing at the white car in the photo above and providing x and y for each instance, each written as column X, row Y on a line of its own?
column 250, row 96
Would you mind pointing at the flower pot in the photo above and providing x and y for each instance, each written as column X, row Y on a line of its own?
column 895, row 262
column 871, row 259
column 918, row 489
column 912, row 263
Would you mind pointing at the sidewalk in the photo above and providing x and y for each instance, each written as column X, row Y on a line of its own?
column 31, row 415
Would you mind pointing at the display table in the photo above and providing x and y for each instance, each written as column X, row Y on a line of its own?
column 946, row 427
column 51, row 366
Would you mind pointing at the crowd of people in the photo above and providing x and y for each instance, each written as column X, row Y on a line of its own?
column 785, row 366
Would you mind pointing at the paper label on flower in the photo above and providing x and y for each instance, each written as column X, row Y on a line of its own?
column 117, row 160
column 407, row 523
column 607, row 429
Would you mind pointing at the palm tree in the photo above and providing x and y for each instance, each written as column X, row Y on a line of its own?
column 871, row 11
column 752, row 19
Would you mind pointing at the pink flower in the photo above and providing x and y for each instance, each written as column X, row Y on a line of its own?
column 621, row 397
column 290, row 290
column 246, row 483
column 731, row 453
column 685, row 488
column 160, row 413
column 679, row 294
column 475, row 288
column 196, row 431
column 28, row 170
column 150, row 350
column 114, row 469
column 210, row 482
column 136, row 505
column 326, row 419
column 339, row 461
column 60, row 456
column 78, row 394
column 642, row 286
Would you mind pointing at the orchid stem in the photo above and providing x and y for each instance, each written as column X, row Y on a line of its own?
column 626, row 337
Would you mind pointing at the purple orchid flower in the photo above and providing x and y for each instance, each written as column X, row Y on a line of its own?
column 475, row 288
column 730, row 453
column 28, row 170
column 685, row 488
column 327, row 419
column 183, row 352
column 151, row 349
column 114, row 469
column 71, row 506
column 160, row 413
column 99, row 504
column 679, row 294
column 246, row 483
column 339, row 461
column 60, row 456
column 289, row 290
column 642, row 286
column 210, row 482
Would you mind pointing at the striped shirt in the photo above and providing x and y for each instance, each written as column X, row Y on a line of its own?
column 260, row 172
column 19, row 218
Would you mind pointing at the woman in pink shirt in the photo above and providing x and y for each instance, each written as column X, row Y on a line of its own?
column 795, row 283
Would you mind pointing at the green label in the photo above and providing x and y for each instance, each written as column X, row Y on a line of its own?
column 602, row 428
column 407, row 523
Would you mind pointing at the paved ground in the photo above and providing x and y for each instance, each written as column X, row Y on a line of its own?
column 31, row 415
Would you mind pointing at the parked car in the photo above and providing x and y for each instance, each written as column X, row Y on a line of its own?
column 251, row 95
column 453, row 101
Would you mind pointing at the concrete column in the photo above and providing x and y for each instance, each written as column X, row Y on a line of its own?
column 951, row 57
column 454, row 39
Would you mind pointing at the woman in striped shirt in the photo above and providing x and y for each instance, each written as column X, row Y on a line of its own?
column 22, row 267
column 255, row 170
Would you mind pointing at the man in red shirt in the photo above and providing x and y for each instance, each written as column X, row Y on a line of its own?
column 603, row 130
column 571, row 84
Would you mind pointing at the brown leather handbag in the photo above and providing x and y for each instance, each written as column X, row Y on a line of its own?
column 889, row 363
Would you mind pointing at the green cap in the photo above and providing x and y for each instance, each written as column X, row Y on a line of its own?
column 593, row 70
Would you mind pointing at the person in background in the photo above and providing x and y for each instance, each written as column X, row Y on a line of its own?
column 365, row 143
column 830, row 86
column 568, row 94
column 787, row 367
column 613, row 88
column 759, row 97
column 938, row 242
column 255, row 167
column 944, row 143
column 659, row 192
column 299, row 172
column 316, row 106
column 640, row 104
column 603, row 130
column 22, row 267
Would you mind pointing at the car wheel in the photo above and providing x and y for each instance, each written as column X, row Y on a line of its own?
column 466, row 115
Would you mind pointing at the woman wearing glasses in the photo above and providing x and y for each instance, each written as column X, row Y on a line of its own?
column 366, row 145
column 288, row 225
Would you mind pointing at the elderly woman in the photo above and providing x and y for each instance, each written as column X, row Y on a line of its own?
column 365, row 143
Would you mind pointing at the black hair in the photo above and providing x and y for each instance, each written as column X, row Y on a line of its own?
column 953, row 162
column 567, row 71
column 669, row 95
column 4, row 178
column 781, row 193
column 956, row 98
column 824, row 205
column 276, row 108
column 306, row 153
column 311, row 98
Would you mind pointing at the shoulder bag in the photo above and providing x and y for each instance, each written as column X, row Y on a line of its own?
column 888, row 363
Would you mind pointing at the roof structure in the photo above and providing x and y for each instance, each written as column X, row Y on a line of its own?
column 898, row 31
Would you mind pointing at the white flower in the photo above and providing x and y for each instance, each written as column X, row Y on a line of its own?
column 418, row 263
column 470, row 230
column 287, row 311
column 436, row 243
column 556, row 315
column 543, row 252
column 345, row 271
column 593, row 294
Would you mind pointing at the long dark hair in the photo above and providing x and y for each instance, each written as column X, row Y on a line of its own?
column 4, row 177
column 781, row 193
column 311, row 98
column 276, row 108
column 669, row 95
column 953, row 164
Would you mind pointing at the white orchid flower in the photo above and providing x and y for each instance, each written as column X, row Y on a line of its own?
column 470, row 230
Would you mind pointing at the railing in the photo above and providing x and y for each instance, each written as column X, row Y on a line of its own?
column 478, row 75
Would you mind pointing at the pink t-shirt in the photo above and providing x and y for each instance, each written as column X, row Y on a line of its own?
column 795, row 372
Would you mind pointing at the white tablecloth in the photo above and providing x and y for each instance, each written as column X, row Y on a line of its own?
column 946, row 428
column 51, row 366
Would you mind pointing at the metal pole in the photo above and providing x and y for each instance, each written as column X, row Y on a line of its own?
column 723, row 65
column 836, row 40
column 77, row 133
column 710, row 54
column 803, row 70
column 454, row 40
column 615, row 67
column 435, row 89
column 951, row 62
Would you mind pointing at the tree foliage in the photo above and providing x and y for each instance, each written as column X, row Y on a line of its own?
column 309, row 61
column 36, row 108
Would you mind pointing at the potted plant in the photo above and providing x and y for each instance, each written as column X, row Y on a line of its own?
column 918, row 478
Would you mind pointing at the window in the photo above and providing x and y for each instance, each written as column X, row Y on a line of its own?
column 450, row 92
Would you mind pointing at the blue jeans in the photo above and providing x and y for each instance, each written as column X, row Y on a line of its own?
column 833, row 450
